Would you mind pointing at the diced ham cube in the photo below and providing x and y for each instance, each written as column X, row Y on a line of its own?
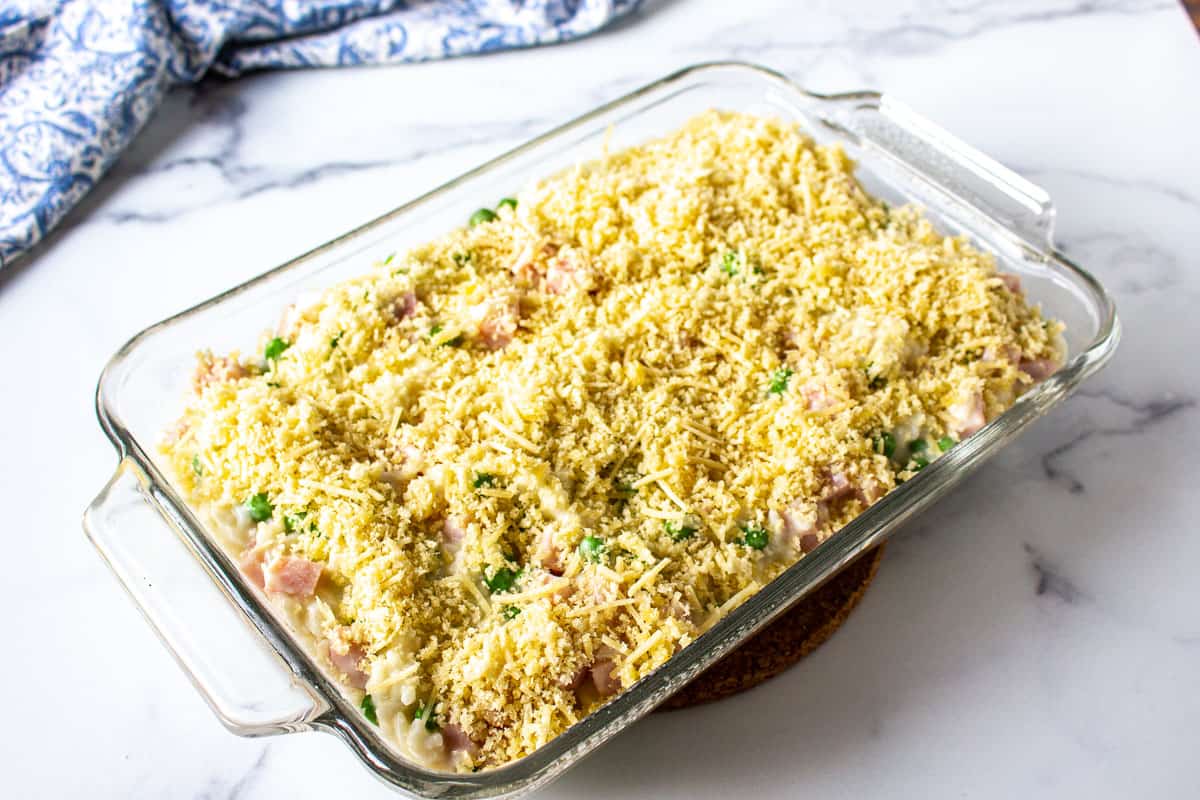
column 566, row 274
column 456, row 740
column 251, row 565
column 967, row 416
column 348, row 656
column 603, row 672
column 838, row 486
column 405, row 306
column 798, row 520
column 453, row 531
column 597, row 588
column 393, row 478
column 680, row 610
column 524, row 269
column 292, row 576
column 1038, row 368
column 809, row 542
column 816, row 397
column 176, row 431
column 537, row 578
column 216, row 370
column 1008, row 352
column 289, row 320
column 498, row 325
column 412, row 464
column 869, row 491
column 574, row 680
column 1011, row 282
column 547, row 553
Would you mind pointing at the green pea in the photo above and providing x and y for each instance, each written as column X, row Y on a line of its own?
column 779, row 381
column 430, row 716
column 507, row 201
column 260, row 507
column 481, row 216
column 483, row 479
column 917, row 445
column 502, row 580
column 592, row 549
column 755, row 537
column 678, row 531
column 275, row 348
column 885, row 443
column 732, row 262
column 368, row 709
column 945, row 443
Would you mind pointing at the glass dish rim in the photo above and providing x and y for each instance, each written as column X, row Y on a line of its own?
column 868, row 529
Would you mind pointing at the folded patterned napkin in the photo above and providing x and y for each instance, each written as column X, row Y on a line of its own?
column 79, row 78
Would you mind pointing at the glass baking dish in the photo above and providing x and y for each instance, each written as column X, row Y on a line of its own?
column 258, row 678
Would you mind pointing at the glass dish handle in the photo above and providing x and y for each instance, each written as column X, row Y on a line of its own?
column 246, row 684
column 932, row 156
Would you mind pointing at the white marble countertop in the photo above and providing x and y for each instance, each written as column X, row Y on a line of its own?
column 1036, row 635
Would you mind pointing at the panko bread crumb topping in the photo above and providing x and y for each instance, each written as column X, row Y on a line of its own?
column 502, row 477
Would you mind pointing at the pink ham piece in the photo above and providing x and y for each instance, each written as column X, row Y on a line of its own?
column 454, row 530
column 838, row 486
column 174, row 433
column 456, row 740
column 525, row 269
column 251, row 565
column 292, row 576
column 603, row 677
column 815, row 396
column 1008, row 352
column 499, row 324
column 547, row 553
column 565, row 275
column 348, row 656
column 537, row 578
column 405, row 306
column 967, row 416
column 288, row 321
column 869, row 491
column 573, row 681
column 680, row 610
column 1038, row 368
column 796, row 521
column 1011, row 282
column 412, row 465
column 217, row 370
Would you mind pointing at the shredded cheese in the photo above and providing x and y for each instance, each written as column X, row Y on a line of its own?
column 585, row 431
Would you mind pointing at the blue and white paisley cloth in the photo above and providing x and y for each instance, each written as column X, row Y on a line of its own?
column 79, row 78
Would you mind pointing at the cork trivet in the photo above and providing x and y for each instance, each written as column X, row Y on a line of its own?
column 791, row 637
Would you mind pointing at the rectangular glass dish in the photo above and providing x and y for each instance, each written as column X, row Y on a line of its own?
column 260, row 680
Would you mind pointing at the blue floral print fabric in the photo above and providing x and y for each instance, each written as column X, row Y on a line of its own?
column 79, row 78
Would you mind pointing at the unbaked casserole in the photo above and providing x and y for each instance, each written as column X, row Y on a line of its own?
column 500, row 477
